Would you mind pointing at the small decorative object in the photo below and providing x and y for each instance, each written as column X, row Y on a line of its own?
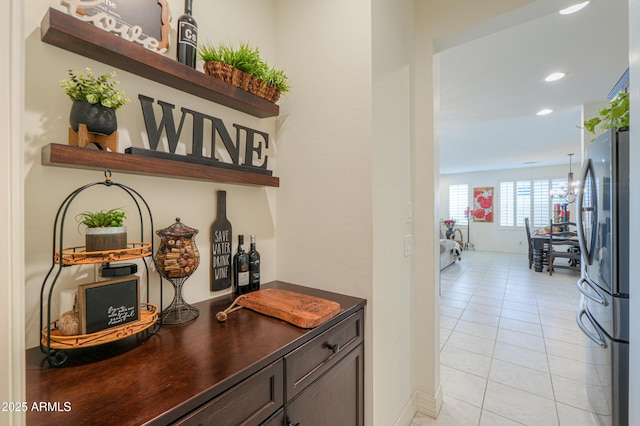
column 69, row 322
column 105, row 229
column 244, row 68
column 221, row 238
column 177, row 258
column 187, row 36
column 449, row 223
column 95, row 101
column 108, row 304
column 483, row 204
column 146, row 22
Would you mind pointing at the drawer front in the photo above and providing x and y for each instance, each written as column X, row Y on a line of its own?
column 250, row 402
column 311, row 360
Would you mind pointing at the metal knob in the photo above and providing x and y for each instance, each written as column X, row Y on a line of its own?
column 334, row 348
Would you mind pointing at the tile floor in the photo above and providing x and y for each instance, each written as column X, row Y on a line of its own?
column 511, row 352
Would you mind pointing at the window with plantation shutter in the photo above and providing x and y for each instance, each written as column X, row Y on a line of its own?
column 507, row 203
column 528, row 198
column 458, row 203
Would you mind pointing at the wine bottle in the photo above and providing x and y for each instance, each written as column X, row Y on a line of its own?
column 221, row 239
column 254, row 266
column 241, row 268
column 187, row 36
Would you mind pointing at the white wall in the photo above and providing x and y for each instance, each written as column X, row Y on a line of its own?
column 490, row 236
column 251, row 210
column 11, row 224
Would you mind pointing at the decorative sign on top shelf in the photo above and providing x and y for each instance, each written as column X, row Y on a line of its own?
column 140, row 21
column 250, row 140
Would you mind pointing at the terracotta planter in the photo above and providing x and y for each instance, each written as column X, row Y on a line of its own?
column 97, row 118
column 105, row 239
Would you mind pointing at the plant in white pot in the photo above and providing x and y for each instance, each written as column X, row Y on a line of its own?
column 95, row 101
column 105, row 229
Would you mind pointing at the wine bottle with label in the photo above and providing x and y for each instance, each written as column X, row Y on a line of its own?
column 241, row 268
column 187, row 36
column 254, row 266
column 221, row 239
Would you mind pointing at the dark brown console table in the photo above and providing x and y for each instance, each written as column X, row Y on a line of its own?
column 251, row 370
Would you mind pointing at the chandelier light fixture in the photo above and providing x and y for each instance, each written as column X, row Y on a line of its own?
column 568, row 193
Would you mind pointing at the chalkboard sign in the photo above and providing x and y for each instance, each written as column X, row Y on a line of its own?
column 147, row 22
column 108, row 304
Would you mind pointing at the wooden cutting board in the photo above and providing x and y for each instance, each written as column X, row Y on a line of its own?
column 298, row 309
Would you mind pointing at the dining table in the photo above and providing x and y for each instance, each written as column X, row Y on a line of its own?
column 540, row 243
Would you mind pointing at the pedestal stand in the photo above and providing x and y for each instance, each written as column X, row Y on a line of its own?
column 178, row 311
column 468, row 245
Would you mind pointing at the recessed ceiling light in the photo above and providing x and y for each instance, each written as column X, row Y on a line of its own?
column 545, row 111
column 555, row 76
column 573, row 9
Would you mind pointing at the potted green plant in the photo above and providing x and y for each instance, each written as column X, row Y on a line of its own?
column 95, row 100
column 243, row 68
column 612, row 117
column 105, row 229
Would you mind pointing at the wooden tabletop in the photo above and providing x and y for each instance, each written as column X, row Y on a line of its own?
column 161, row 378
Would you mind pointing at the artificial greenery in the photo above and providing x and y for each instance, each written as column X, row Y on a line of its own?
column 613, row 117
column 103, row 218
column 87, row 87
column 247, row 59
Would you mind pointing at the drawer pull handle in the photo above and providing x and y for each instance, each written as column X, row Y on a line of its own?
column 294, row 424
column 334, row 348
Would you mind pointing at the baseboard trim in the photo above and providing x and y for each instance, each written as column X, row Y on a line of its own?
column 423, row 403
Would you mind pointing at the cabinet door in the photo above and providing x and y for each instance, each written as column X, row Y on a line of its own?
column 335, row 399
column 248, row 403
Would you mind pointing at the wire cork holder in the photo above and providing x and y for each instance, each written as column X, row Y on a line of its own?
column 177, row 258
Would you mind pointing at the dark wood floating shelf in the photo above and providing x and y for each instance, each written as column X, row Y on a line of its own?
column 87, row 158
column 62, row 30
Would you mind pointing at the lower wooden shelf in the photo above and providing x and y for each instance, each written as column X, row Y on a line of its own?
column 94, row 159
column 148, row 317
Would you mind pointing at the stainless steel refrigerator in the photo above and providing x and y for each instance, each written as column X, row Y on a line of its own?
column 603, row 231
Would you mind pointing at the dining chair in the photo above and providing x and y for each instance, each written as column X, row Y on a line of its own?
column 543, row 253
column 563, row 244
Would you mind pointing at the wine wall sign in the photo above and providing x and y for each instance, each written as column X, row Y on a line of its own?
column 248, row 141
column 146, row 22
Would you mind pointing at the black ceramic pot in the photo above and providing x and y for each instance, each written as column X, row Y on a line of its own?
column 97, row 118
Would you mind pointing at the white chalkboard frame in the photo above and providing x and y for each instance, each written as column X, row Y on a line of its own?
column 108, row 304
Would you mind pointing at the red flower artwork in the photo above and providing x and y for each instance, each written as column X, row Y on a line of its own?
column 483, row 204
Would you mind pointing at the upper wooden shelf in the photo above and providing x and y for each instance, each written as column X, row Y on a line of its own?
column 86, row 158
column 65, row 31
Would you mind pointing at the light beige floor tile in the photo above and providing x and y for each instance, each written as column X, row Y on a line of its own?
column 471, row 343
column 521, row 326
column 571, row 416
column 566, row 350
column 448, row 311
column 521, row 356
column 480, row 318
column 487, row 418
column 453, row 413
column 448, row 322
column 444, row 335
column 484, row 309
column 522, row 340
column 476, row 329
column 523, row 378
column 568, row 335
column 463, row 386
column 572, row 369
column 521, row 316
column 469, row 362
column 492, row 301
column 576, row 394
column 517, row 306
column 520, row 406
column 454, row 303
column 515, row 298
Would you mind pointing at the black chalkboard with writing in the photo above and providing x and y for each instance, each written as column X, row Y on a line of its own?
column 108, row 304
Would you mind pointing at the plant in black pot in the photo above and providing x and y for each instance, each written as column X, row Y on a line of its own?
column 95, row 101
column 105, row 229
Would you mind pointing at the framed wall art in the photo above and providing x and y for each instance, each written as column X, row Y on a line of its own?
column 483, row 204
column 108, row 304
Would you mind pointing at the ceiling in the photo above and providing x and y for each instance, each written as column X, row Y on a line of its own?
column 491, row 88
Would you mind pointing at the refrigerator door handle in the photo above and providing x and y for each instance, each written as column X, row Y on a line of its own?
column 587, row 250
column 599, row 338
column 598, row 298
